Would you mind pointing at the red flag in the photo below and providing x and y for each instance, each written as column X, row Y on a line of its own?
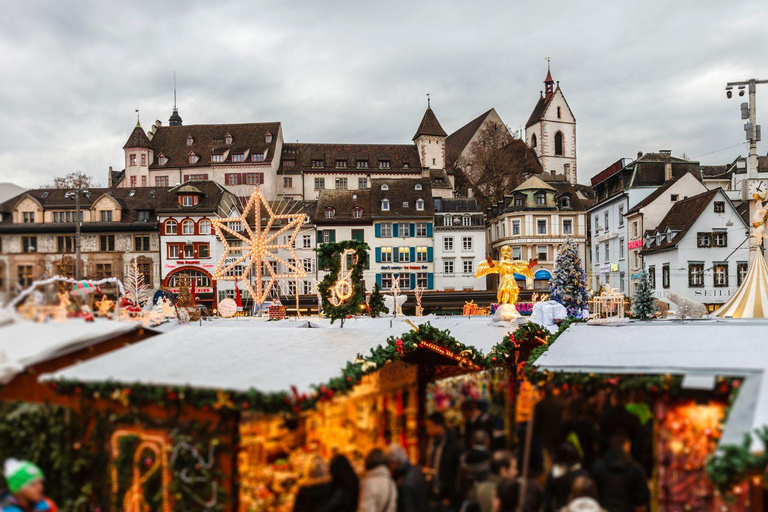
column 238, row 298
column 192, row 291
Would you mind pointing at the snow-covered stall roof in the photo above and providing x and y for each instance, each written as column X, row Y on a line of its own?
column 24, row 344
column 244, row 354
column 696, row 349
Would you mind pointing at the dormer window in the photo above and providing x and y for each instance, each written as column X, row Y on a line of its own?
column 192, row 158
column 384, row 187
column 383, row 164
column 541, row 199
column 218, row 158
column 189, row 200
column 259, row 157
column 341, row 164
column 162, row 159
column 405, row 204
column 519, row 201
column 405, row 165
column 420, row 205
column 268, row 138
column 357, row 212
column 565, row 202
column 190, row 140
column 362, row 164
column 317, row 164
column 329, row 213
column 227, row 139
column 385, row 205
column 238, row 157
column 417, row 186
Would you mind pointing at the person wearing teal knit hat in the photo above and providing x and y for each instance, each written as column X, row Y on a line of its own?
column 25, row 488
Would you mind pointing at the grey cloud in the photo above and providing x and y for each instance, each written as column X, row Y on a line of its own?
column 639, row 76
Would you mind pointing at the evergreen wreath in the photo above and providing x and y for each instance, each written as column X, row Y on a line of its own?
column 329, row 257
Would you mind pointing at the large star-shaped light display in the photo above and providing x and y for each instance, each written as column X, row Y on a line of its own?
column 258, row 248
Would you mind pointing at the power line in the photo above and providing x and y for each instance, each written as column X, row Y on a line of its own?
column 719, row 150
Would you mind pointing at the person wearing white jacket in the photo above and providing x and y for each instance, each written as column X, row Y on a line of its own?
column 583, row 497
column 378, row 492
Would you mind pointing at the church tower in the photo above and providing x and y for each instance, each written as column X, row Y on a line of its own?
column 139, row 155
column 430, row 141
column 551, row 131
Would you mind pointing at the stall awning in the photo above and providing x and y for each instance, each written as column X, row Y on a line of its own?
column 735, row 348
column 543, row 274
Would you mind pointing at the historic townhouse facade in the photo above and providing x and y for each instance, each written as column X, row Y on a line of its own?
column 536, row 219
column 698, row 250
column 402, row 213
column 37, row 235
column 619, row 188
column 459, row 238
column 238, row 156
column 648, row 213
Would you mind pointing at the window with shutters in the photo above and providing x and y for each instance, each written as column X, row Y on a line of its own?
column 720, row 272
column 404, row 254
column 665, row 275
column 386, row 230
column 720, row 239
column 306, row 241
column 386, row 255
column 741, row 272
column 386, row 281
column 652, row 277
column 254, row 178
column 703, row 239
column 403, row 230
column 719, row 207
column 422, row 280
column 421, row 254
column 189, row 200
column 421, row 229
column 695, row 275
column 232, row 179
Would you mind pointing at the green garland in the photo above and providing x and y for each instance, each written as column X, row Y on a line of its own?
column 328, row 256
column 71, row 449
column 732, row 464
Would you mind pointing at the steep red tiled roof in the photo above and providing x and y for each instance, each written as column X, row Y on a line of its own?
column 302, row 155
column 343, row 202
column 456, row 142
column 208, row 139
column 401, row 191
column 429, row 126
column 138, row 139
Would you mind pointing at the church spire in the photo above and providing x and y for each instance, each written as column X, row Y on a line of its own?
column 175, row 119
column 549, row 84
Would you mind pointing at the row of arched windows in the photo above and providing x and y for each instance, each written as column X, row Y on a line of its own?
column 187, row 227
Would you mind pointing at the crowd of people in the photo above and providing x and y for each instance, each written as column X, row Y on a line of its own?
column 585, row 456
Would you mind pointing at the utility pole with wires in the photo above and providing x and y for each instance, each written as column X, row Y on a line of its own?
column 75, row 194
column 753, row 189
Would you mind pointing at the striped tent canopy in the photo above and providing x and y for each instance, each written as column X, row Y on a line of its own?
column 751, row 299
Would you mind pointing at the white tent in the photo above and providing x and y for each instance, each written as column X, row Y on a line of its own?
column 240, row 355
column 699, row 350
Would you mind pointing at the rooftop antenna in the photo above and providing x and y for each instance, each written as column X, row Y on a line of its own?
column 138, row 121
column 428, row 102
column 174, row 90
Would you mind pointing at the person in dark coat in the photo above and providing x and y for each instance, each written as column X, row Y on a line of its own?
column 566, row 468
column 412, row 490
column 443, row 452
column 475, row 463
column 621, row 482
column 315, row 491
column 617, row 418
column 547, row 416
column 475, row 419
column 345, row 487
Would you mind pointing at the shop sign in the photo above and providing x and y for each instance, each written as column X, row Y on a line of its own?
column 198, row 289
column 614, row 267
column 635, row 244
column 636, row 276
column 404, row 267
column 607, row 236
column 605, row 268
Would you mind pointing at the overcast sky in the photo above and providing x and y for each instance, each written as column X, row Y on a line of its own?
column 639, row 76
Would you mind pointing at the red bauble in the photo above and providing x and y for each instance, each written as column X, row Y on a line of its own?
column 78, row 390
column 246, row 405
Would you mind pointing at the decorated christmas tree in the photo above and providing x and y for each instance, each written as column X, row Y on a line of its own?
column 342, row 290
column 184, row 297
column 569, row 284
column 643, row 303
column 376, row 305
column 135, row 290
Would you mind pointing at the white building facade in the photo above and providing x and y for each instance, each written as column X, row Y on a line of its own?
column 459, row 241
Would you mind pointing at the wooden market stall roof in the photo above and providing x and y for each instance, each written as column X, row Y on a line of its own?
column 24, row 344
column 242, row 355
column 699, row 350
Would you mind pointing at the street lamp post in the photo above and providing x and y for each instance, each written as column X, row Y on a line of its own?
column 75, row 194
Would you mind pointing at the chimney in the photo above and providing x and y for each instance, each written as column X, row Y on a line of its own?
column 667, row 166
column 639, row 154
column 109, row 177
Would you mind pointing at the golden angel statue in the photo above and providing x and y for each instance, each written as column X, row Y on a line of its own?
column 759, row 217
column 506, row 267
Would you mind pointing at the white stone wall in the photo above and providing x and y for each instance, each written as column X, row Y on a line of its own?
column 459, row 280
column 545, row 131
column 431, row 151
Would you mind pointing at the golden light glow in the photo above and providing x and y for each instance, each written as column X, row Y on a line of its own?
column 506, row 267
column 134, row 499
column 259, row 247
column 342, row 289
column 104, row 306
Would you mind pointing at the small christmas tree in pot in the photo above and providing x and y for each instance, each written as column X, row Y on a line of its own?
column 643, row 303
column 569, row 284
column 376, row 305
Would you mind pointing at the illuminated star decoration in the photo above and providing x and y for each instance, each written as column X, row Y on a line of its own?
column 104, row 306
column 259, row 246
